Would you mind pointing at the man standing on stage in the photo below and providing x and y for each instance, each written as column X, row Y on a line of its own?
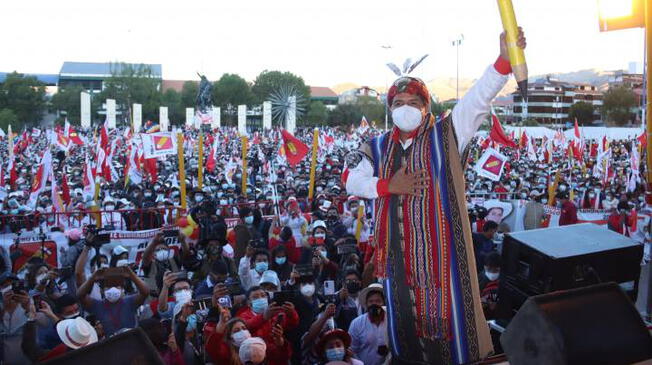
column 423, row 245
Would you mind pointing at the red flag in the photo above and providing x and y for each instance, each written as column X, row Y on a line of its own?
column 65, row 190
column 594, row 150
column 642, row 139
column 497, row 133
column 74, row 137
column 104, row 137
column 295, row 150
column 150, row 167
column 523, row 141
column 13, row 174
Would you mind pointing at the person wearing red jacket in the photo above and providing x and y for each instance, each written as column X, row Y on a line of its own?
column 261, row 316
column 286, row 239
column 223, row 343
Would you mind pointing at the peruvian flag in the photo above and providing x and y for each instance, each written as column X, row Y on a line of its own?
column 294, row 149
column 497, row 133
column 104, row 136
column 42, row 174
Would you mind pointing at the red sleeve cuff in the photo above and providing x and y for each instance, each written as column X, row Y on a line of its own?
column 382, row 187
column 503, row 66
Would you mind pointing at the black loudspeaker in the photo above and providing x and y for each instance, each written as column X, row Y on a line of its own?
column 591, row 325
column 132, row 347
column 544, row 260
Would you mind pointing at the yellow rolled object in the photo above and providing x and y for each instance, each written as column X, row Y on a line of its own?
column 182, row 171
column 516, row 54
column 358, row 227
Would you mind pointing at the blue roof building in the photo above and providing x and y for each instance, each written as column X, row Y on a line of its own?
column 91, row 75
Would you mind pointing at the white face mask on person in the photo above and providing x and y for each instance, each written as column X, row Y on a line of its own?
column 240, row 336
column 162, row 255
column 183, row 296
column 407, row 118
column 492, row 275
column 308, row 290
column 113, row 294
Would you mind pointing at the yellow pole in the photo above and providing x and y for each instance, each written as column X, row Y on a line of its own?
column 200, row 168
column 516, row 54
column 313, row 163
column 358, row 227
column 244, row 165
column 182, row 170
column 648, row 94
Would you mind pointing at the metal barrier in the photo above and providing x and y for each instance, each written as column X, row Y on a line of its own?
column 130, row 219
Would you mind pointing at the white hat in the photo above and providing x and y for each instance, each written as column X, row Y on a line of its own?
column 252, row 350
column 317, row 224
column 372, row 288
column 227, row 251
column 76, row 332
column 493, row 203
column 119, row 250
column 270, row 276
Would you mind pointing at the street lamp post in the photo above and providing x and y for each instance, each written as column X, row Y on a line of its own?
column 386, row 47
column 457, row 43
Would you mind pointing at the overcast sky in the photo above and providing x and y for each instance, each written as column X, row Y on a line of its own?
column 326, row 42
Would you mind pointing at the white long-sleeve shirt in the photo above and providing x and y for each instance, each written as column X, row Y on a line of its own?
column 468, row 115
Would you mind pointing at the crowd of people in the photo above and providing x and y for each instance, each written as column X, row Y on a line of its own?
column 288, row 282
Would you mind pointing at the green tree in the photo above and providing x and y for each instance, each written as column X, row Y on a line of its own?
column 582, row 111
column 189, row 94
column 372, row 108
column 68, row 100
column 268, row 82
column 617, row 105
column 345, row 115
column 530, row 123
column 24, row 96
column 230, row 91
column 7, row 116
column 131, row 84
column 176, row 112
column 317, row 114
column 438, row 108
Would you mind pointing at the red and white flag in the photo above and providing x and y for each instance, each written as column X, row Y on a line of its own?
column 491, row 164
column 40, row 180
column 89, row 180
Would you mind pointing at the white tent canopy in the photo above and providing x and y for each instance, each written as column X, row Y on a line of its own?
column 595, row 133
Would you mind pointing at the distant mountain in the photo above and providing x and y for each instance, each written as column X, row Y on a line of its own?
column 444, row 87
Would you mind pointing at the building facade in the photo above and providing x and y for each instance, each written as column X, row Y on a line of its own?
column 549, row 101
column 91, row 76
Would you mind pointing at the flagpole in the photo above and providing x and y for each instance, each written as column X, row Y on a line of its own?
column 244, row 140
column 200, row 170
column 182, row 171
column 313, row 163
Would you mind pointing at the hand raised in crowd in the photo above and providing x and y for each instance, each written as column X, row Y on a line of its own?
column 404, row 183
column 47, row 310
column 225, row 316
column 186, row 310
column 168, row 278
column 172, row 343
column 294, row 276
column 344, row 293
column 277, row 335
column 272, row 310
column 329, row 312
column 288, row 307
column 219, row 291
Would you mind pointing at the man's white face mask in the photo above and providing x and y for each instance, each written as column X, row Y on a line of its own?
column 407, row 118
